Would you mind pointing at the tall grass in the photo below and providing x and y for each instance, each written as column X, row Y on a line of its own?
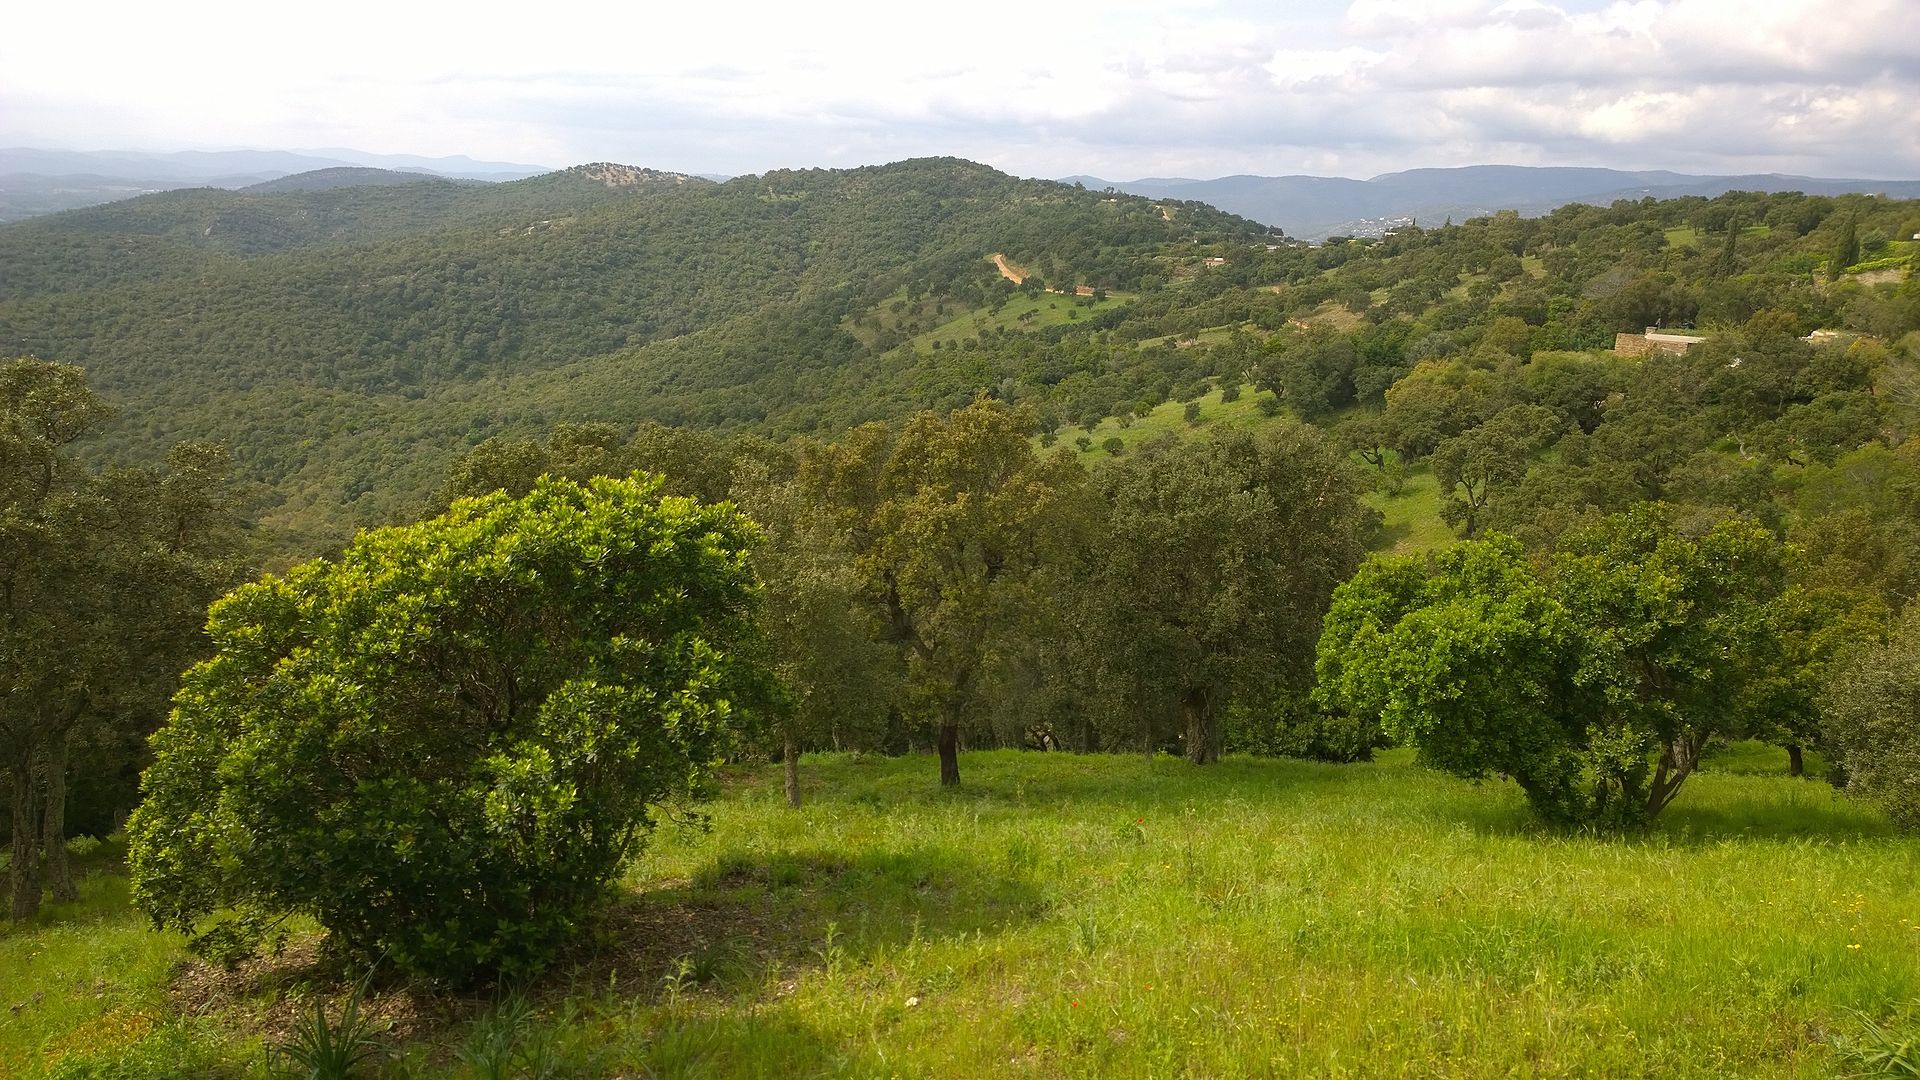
column 1079, row 916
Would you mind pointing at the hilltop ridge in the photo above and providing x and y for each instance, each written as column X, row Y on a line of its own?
column 1316, row 207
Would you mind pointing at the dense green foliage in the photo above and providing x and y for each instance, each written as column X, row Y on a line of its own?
column 443, row 746
column 347, row 343
column 325, row 334
column 1219, row 557
column 1872, row 702
column 1595, row 681
column 104, row 582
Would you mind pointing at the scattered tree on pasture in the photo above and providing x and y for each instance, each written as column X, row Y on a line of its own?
column 1872, row 703
column 1594, row 679
column 955, row 524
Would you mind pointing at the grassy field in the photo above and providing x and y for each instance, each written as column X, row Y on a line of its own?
column 1022, row 312
column 1410, row 522
column 1168, row 416
column 932, row 319
column 1117, row 916
column 1685, row 236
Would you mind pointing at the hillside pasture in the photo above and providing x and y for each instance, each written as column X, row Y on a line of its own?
column 1096, row 915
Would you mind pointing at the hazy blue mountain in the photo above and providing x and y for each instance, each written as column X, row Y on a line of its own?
column 208, row 165
column 347, row 176
column 38, row 181
column 1314, row 207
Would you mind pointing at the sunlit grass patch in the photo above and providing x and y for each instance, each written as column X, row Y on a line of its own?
column 1113, row 915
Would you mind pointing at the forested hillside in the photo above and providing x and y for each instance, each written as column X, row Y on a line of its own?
column 349, row 340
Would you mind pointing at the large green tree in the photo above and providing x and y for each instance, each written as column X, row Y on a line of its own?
column 958, row 526
column 104, row 583
column 442, row 746
column 1219, row 558
column 1872, row 700
column 1471, row 466
column 838, row 680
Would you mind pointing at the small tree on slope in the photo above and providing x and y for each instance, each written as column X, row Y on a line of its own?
column 443, row 746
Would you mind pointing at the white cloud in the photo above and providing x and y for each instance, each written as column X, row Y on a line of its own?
column 1196, row 87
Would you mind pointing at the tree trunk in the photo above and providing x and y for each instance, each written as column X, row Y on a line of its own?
column 53, row 814
column 1796, row 760
column 23, row 876
column 1203, row 738
column 792, row 760
column 949, row 744
column 1677, row 760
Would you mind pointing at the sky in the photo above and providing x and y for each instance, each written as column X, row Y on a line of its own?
column 1118, row 89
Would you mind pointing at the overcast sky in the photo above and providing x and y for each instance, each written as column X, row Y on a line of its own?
column 1115, row 88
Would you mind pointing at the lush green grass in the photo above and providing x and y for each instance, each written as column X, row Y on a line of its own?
column 90, row 978
column 1169, row 416
column 1110, row 915
column 1022, row 312
column 1410, row 521
column 1684, row 237
column 947, row 320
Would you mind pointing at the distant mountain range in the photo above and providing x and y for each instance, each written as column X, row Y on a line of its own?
column 35, row 181
column 1316, row 207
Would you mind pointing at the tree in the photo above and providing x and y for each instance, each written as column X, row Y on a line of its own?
column 1437, row 400
column 955, row 523
column 1846, row 248
column 1816, row 628
column 1312, row 371
column 49, row 514
column 1471, row 465
column 1871, row 702
column 1594, row 681
column 838, row 682
column 104, row 582
column 443, row 746
column 1366, row 434
column 1220, row 557
column 1725, row 264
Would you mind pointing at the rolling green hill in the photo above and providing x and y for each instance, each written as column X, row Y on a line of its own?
column 347, row 341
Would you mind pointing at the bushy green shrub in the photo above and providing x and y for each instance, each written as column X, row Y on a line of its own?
column 1872, row 723
column 1594, row 679
column 442, row 746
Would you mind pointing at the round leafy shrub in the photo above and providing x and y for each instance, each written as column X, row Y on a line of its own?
column 442, row 746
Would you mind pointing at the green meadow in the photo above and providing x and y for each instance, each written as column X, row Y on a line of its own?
column 1062, row 916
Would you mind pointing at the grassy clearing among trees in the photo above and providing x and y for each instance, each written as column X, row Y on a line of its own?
column 1109, row 915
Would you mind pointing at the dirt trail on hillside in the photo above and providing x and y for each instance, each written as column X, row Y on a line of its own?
column 1019, row 277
